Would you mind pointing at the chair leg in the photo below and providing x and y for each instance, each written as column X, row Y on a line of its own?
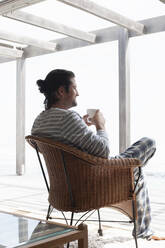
column 71, row 222
column 100, row 231
column 134, row 221
column 50, row 209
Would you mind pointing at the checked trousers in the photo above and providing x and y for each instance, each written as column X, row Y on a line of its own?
column 143, row 149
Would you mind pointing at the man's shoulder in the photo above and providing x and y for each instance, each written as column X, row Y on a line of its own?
column 72, row 112
column 57, row 113
column 64, row 112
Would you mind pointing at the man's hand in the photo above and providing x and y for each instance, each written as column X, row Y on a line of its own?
column 98, row 120
column 87, row 120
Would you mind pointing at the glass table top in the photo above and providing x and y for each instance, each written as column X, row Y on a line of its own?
column 16, row 231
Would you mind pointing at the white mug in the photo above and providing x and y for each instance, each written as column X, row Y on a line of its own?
column 91, row 112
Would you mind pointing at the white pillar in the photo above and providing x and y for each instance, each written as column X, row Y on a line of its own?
column 20, row 117
column 124, row 90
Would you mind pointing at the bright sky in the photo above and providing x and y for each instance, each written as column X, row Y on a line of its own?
column 96, row 69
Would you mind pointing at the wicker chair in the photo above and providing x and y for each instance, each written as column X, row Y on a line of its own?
column 82, row 182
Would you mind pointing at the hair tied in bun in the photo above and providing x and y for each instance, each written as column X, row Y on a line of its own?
column 41, row 85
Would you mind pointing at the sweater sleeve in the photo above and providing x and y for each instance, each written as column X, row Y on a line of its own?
column 77, row 133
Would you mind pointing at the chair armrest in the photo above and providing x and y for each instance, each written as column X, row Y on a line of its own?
column 120, row 163
column 98, row 161
column 93, row 160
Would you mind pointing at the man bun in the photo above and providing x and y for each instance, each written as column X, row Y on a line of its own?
column 42, row 86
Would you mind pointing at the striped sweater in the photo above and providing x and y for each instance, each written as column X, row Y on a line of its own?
column 68, row 127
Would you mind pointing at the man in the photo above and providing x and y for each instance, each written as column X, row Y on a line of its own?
column 60, row 123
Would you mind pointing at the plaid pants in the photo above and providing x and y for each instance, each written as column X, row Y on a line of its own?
column 143, row 149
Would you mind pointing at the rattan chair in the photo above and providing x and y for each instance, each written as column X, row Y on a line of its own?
column 82, row 182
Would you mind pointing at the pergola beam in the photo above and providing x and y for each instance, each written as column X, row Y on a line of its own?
column 104, row 13
column 10, row 5
column 50, row 25
column 103, row 35
column 4, row 35
column 10, row 52
column 152, row 25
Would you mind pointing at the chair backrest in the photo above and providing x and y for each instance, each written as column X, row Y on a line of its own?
column 79, row 181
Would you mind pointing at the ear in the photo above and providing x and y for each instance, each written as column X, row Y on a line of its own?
column 60, row 92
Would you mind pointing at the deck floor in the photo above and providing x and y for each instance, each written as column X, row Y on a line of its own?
column 27, row 195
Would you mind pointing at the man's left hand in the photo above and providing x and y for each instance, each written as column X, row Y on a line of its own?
column 87, row 121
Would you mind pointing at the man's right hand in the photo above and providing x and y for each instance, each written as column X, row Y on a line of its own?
column 98, row 120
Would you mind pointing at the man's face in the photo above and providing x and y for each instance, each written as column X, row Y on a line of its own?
column 70, row 97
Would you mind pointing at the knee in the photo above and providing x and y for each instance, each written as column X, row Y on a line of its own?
column 149, row 142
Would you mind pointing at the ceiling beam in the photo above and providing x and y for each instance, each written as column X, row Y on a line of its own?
column 46, row 45
column 10, row 5
column 9, row 52
column 104, row 13
column 5, row 60
column 50, row 25
column 152, row 25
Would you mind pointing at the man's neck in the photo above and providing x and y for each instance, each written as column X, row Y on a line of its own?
column 60, row 105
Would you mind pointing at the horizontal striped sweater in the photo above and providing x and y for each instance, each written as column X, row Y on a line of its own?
column 68, row 127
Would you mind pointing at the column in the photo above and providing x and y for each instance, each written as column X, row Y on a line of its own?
column 124, row 90
column 20, row 117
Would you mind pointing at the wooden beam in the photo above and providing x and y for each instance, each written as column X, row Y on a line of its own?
column 152, row 25
column 124, row 91
column 103, row 35
column 20, row 117
column 4, row 35
column 5, row 60
column 6, row 45
column 10, row 52
column 104, row 13
column 10, row 5
column 50, row 25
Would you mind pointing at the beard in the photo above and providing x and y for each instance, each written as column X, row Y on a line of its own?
column 74, row 103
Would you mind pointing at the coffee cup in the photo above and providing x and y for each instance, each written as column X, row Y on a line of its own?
column 91, row 112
